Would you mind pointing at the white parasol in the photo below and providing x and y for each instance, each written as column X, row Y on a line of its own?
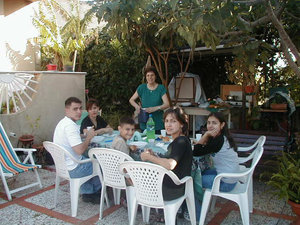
column 15, row 90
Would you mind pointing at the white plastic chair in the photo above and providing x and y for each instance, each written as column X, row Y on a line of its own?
column 109, row 161
column 241, row 192
column 10, row 165
column 259, row 142
column 242, row 160
column 58, row 154
column 147, row 181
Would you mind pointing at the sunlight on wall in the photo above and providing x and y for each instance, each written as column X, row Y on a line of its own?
column 18, row 27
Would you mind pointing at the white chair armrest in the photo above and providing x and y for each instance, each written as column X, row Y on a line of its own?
column 233, row 175
column 245, row 149
column 76, row 160
column 25, row 150
column 176, row 180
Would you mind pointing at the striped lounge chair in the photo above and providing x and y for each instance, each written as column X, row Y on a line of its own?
column 10, row 164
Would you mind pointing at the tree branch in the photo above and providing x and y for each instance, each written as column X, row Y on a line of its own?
column 262, row 20
column 285, row 38
column 288, row 57
column 250, row 2
column 291, row 15
column 231, row 33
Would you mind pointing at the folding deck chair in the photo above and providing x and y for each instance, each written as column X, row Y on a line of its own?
column 11, row 165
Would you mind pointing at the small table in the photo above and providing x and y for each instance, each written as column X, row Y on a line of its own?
column 196, row 111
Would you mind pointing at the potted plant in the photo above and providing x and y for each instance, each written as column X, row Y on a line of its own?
column 278, row 102
column 27, row 139
column 286, row 180
column 68, row 66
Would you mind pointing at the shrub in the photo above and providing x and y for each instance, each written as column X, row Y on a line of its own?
column 114, row 71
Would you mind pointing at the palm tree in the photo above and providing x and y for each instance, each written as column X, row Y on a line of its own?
column 63, row 43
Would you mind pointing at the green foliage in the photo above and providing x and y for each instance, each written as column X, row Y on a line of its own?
column 114, row 72
column 59, row 42
column 33, row 124
column 286, row 180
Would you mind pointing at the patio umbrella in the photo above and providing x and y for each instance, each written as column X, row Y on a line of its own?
column 15, row 91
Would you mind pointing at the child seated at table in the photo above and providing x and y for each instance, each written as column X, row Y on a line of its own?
column 126, row 128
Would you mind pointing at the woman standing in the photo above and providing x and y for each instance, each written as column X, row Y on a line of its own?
column 93, row 119
column 153, row 98
column 179, row 155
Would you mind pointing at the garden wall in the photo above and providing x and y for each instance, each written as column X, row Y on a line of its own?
column 48, row 105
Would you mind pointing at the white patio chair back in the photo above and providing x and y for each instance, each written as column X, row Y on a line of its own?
column 10, row 164
column 147, row 181
column 242, row 193
column 58, row 154
column 109, row 161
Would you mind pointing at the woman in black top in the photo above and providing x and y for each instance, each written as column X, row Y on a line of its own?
column 94, row 120
column 179, row 155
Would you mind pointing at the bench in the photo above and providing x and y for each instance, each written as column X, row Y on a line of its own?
column 273, row 146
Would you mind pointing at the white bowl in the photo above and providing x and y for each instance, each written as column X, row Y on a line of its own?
column 185, row 104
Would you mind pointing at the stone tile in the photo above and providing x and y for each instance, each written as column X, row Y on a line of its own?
column 234, row 218
column 16, row 214
column 47, row 179
column 46, row 199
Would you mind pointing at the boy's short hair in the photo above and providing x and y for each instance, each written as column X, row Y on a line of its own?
column 70, row 100
column 126, row 120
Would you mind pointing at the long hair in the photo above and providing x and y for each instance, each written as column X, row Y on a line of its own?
column 180, row 116
column 225, row 130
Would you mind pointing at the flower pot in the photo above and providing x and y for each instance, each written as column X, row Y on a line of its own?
column 249, row 89
column 51, row 67
column 26, row 140
column 278, row 106
column 296, row 210
column 68, row 68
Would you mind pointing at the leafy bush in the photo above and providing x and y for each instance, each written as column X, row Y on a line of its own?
column 114, row 71
column 286, row 180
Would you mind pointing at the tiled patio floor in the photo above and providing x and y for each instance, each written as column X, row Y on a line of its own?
column 36, row 206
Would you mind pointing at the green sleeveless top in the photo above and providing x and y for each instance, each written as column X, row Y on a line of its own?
column 151, row 98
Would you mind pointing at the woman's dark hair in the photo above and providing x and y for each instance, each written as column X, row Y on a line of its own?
column 225, row 130
column 180, row 116
column 150, row 69
column 92, row 102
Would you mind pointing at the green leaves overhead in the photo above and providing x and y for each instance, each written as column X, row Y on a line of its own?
column 161, row 21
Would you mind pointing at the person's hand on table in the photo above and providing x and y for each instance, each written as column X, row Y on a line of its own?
column 133, row 148
column 146, row 155
column 90, row 133
column 107, row 130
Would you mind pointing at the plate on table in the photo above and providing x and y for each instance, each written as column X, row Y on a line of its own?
column 185, row 104
column 139, row 144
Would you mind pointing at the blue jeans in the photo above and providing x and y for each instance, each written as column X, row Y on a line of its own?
column 93, row 185
column 208, row 177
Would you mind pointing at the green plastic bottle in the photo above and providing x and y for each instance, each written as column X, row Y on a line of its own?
column 150, row 126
